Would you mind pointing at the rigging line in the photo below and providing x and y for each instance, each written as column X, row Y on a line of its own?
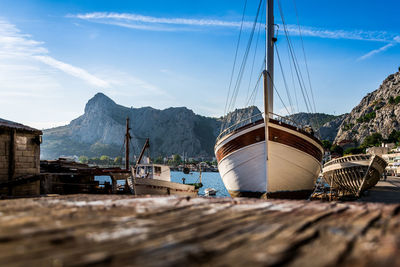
column 306, row 63
column 295, row 63
column 284, row 78
column 273, row 85
column 255, row 53
column 293, row 82
column 252, row 97
column 304, row 53
column 253, row 100
column 234, row 62
column 254, row 90
column 243, row 65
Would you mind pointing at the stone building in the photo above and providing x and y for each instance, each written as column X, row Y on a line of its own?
column 19, row 158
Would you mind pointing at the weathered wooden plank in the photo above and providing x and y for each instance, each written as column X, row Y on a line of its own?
column 122, row 230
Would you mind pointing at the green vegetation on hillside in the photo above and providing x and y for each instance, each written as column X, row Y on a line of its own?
column 367, row 117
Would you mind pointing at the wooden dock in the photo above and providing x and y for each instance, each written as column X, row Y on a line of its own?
column 77, row 230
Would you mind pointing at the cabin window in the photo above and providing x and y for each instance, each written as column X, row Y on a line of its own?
column 157, row 170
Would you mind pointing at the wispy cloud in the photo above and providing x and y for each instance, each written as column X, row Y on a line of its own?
column 150, row 23
column 376, row 51
column 72, row 70
column 396, row 41
column 376, row 36
column 18, row 46
column 101, row 16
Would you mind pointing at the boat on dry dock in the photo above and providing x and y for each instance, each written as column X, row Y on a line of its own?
column 287, row 163
column 354, row 174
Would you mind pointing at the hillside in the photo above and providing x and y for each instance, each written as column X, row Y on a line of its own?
column 325, row 125
column 378, row 112
column 101, row 129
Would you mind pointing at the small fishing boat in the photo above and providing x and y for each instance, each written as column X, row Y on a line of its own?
column 210, row 192
column 354, row 174
column 152, row 179
column 155, row 179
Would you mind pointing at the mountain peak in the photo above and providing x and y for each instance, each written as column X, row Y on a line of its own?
column 99, row 101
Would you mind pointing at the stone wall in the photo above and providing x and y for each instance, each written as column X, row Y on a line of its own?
column 27, row 160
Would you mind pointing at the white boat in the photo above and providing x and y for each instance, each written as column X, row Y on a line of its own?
column 286, row 166
column 155, row 179
column 355, row 173
column 210, row 192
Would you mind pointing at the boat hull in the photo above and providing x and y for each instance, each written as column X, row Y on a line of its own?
column 354, row 174
column 146, row 186
column 293, row 163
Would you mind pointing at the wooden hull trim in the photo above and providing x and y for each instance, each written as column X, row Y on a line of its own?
column 277, row 133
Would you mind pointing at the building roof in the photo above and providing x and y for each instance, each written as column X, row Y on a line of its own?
column 5, row 124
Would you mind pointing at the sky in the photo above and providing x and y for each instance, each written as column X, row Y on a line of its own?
column 56, row 55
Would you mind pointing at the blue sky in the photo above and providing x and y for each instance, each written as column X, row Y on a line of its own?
column 55, row 55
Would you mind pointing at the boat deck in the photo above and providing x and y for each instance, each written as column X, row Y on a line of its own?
column 177, row 231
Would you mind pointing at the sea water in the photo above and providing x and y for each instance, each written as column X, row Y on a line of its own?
column 209, row 180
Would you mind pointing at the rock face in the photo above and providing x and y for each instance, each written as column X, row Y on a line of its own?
column 325, row 125
column 101, row 129
column 378, row 112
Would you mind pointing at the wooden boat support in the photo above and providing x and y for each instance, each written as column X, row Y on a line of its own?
column 354, row 174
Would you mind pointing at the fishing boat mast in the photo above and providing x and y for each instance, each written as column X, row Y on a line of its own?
column 127, row 142
column 268, row 74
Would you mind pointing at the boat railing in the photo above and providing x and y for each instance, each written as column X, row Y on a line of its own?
column 239, row 124
column 285, row 120
column 255, row 118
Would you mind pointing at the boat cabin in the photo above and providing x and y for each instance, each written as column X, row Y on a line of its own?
column 153, row 171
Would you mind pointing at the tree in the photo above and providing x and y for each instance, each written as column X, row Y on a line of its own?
column 105, row 159
column 374, row 139
column 353, row 150
column 94, row 160
column 177, row 159
column 118, row 160
column 391, row 100
column 326, row 144
column 394, row 137
column 159, row 160
column 83, row 159
column 337, row 149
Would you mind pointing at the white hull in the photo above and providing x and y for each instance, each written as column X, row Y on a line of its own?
column 290, row 170
column 146, row 186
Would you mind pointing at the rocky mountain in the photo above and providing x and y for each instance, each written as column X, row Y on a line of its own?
column 325, row 125
column 101, row 129
column 378, row 112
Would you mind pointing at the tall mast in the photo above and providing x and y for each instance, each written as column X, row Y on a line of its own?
column 127, row 142
column 268, row 75
column 269, row 59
